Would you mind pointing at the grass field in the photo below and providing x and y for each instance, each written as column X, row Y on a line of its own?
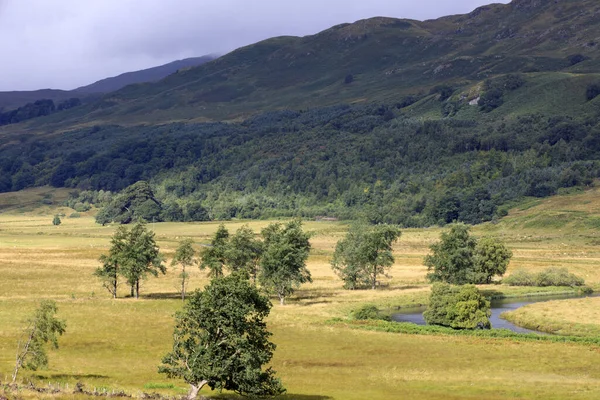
column 118, row 344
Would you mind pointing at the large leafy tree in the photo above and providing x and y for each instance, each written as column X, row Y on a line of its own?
column 452, row 260
column 133, row 255
column 459, row 258
column 214, row 257
column 42, row 328
column 364, row 254
column 283, row 264
column 113, row 261
column 134, row 202
column 221, row 340
column 184, row 256
column 244, row 252
column 142, row 257
column 491, row 259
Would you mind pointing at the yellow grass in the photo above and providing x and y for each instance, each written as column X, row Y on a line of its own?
column 118, row 344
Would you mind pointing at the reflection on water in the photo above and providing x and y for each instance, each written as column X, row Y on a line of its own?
column 415, row 315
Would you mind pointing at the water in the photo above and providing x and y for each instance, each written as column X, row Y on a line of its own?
column 415, row 315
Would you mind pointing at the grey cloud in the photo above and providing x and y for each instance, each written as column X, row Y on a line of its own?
column 71, row 43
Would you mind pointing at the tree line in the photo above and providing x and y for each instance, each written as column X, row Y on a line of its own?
column 350, row 162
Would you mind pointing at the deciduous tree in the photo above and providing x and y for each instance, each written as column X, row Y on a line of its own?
column 184, row 256
column 214, row 257
column 221, row 340
column 283, row 264
column 42, row 328
column 364, row 254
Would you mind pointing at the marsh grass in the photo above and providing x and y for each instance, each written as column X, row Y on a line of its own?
column 118, row 344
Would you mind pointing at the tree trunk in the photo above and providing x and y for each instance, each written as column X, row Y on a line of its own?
column 132, row 290
column 374, row 278
column 183, row 285
column 194, row 389
column 137, row 289
column 282, row 300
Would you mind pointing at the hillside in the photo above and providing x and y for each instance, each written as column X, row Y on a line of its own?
column 14, row 99
column 439, row 121
column 386, row 58
column 146, row 75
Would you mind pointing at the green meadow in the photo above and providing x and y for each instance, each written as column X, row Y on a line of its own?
column 118, row 344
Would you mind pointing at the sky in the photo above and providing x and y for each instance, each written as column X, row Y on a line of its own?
column 64, row 44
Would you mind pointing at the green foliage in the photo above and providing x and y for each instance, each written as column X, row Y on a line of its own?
column 458, row 258
column 552, row 276
column 494, row 91
column 452, row 258
column 244, row 252
column 283, row 263
column 135, row 202
column 367, row 312
column 184, row 256
column 364, row 254
column 133, row 254
column 491, row 259
column 43, row 328
column 214, row 257
column 457, row 307
column 56, row 220
column 221, row 340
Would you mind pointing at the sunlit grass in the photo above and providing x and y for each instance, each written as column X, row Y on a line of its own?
column 118, row 344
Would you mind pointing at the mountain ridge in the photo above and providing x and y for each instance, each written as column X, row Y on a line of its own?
column 386, row 58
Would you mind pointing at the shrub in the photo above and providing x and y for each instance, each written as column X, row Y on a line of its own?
column 552, row 276
column 520, row 278
column 459, row 307
column 365, row 312
column 75, row 215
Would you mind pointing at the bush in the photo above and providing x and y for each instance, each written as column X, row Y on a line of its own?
column 365, row 312
column 75, row 215
column 520, row 278
column 552, row 276
column 459, row 307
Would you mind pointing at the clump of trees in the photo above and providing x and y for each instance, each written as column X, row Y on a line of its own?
column 221, row 340
column 494, row 91
column 43, row 328
column 138, row 201
column 459, row 307
column 552, row 276
column 364, row 255
column 133, row 256
column 459, row 258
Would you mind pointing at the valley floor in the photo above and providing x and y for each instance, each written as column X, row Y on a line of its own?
column 118, row 344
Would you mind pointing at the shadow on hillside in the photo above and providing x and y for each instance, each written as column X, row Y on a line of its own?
column 70, row 376
column 307, row 297
column 161, row 296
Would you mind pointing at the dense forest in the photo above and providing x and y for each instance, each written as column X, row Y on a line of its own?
column 367, row 161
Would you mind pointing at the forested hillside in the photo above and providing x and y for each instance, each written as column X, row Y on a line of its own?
column 408, row 122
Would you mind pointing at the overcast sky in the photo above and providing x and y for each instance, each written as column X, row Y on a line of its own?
column 64, row 44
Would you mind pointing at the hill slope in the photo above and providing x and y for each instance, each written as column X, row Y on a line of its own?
column 146, row 75
column 386, row 58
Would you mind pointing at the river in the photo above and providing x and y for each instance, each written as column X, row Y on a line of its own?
column 498, row 306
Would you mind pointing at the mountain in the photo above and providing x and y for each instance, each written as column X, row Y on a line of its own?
column 398, row 121
column 14, row 99
column 146, row 75
column 384, row 59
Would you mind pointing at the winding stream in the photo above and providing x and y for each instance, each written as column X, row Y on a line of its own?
column 498, row 306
